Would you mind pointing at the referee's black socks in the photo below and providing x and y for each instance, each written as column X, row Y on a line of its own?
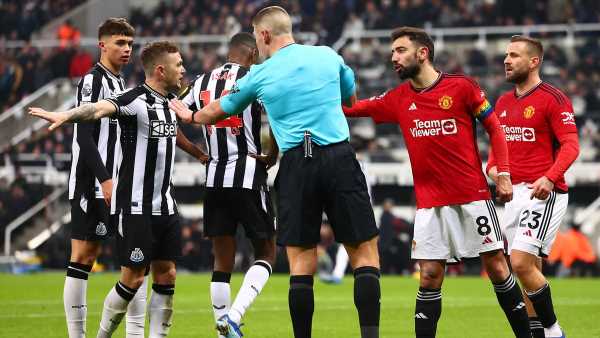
column 367, row 294
column 302, row 304
column 511, row 300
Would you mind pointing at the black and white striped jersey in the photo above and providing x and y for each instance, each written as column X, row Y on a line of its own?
column 95, row 147
column 229, row 141
column 148, row 140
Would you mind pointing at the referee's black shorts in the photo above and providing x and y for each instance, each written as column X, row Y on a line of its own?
column 330, row 181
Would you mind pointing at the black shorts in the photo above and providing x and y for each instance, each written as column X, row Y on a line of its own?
column 142, row 239
column 225, row 208
column 92, row 224
column 330, row 181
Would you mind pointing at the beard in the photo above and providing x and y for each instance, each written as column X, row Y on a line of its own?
column 517, row 76
column 410, row 71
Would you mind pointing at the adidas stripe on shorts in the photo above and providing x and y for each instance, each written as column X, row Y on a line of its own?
column 530, row 225
column 454, row 232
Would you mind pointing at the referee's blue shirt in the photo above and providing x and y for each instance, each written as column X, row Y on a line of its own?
column 302, row 88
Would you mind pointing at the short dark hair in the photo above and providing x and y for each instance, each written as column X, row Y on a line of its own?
column 154, row 51
column 416, row 35
column 242, row 39
column 534, row 45
column 115, row 26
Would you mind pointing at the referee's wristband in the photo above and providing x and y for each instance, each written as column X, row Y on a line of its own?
column 193, row 116
column 503, row 173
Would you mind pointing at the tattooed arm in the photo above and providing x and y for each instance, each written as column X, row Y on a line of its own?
column 83, row 113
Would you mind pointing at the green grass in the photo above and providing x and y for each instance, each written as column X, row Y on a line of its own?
column 31, row 306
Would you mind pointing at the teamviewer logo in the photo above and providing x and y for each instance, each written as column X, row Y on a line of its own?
column 449, row 127
column 528, row 135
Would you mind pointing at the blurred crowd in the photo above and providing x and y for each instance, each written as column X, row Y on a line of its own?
column 21, row 18
column 24, row 70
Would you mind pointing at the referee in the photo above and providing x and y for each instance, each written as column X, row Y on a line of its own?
column 302, row 89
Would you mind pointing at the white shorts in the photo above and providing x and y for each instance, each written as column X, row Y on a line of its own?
column 454, row 232
column 530, row 225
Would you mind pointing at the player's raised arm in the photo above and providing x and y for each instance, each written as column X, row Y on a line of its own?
column 83, row 113
column 376, row 107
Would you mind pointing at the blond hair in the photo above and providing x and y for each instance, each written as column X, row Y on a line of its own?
column 275, row 19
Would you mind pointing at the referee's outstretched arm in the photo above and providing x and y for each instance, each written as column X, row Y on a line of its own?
column 210, row 114
column 83, row 113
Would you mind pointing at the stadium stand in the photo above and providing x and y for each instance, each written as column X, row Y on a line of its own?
column 346, row 25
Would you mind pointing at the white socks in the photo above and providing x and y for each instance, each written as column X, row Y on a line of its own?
column 341, row 262
column 74, row 299
column 255, row 279
column 115, row 306
column 136, row 312
column 160, row 310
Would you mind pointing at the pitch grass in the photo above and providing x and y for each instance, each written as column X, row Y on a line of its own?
column 31, row 306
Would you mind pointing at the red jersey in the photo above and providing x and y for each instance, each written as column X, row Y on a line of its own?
column 535, row 124
column 438, row 125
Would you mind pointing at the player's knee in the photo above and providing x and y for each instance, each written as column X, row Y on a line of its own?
column 497, row 268
column 167, row 276
column 86, row 257
column 265, row 252
column 431, row 277
column 521, row 267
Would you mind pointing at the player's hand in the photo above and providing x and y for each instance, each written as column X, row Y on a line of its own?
column 504, row 189
column 183, row 112
column 203, row 158
column 541, row 188
column 56, row 119
column 268, row 160
column 107, row 187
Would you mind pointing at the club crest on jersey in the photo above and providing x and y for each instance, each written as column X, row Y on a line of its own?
column 528, row 112
column 101, row 229
column 162, row 129
column 445, row 102
column 136, row 255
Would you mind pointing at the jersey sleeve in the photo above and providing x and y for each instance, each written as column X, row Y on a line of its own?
column 379, row 108
column 187, row 96
column 243, row 92
column 124, row 102
column 562, row 122
column 561, row 117
column 477, row 102
column 347, row 82
column 90, row 89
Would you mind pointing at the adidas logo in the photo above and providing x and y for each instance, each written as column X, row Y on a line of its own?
column 519, row 307
column 413, row 106
column 503, row 114
column 527, row 233
column 420, row 315
column 487, row 240
column 137, row 255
